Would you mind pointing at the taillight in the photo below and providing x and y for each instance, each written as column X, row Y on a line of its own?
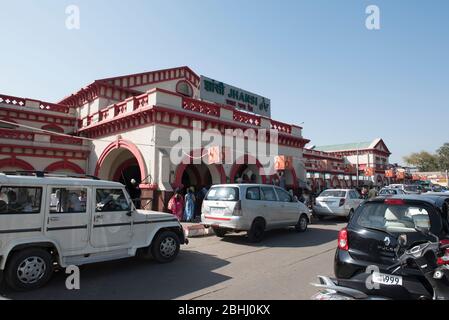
column 445, row 258
column 342, row 202
column 394, row 202
column 343, row 240
column 238, row 209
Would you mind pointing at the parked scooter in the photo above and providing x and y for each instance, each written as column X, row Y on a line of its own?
column 379, row 286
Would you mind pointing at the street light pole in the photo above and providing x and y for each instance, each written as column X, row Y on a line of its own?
column 358, row 164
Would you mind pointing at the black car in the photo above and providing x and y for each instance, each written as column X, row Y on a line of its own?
column 371, row 235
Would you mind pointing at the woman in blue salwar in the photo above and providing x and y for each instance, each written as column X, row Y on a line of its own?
column 189, row 210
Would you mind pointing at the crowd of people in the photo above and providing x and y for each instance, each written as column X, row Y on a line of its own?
column 186, row 203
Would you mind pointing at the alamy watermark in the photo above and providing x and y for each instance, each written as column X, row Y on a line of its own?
column 73, row 281
column 372, row 21
column 232, row 146
column 73, row 19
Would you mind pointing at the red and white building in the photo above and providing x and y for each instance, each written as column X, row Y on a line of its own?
column 347, row 165
column 119, row 130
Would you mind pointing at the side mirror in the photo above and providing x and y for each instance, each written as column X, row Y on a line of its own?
column 129, row 213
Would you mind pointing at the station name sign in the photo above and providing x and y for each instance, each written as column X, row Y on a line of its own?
column 219, row 92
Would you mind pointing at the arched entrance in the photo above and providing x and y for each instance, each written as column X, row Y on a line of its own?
column 64, row 167
column 13, row 164
column 199, row 175
column 122, row 162
column 247, row 170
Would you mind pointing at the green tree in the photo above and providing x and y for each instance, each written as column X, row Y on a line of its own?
column 443, row 157
column 423, row 160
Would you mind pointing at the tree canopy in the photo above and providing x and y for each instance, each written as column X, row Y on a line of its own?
column 426, row 161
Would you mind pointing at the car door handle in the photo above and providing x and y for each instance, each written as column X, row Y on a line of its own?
column 53, row 219
column 97, row 218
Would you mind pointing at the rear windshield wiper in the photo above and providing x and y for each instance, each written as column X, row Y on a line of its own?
column 384, row 231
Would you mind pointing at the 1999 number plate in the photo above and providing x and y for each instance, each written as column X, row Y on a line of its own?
column 387, row 279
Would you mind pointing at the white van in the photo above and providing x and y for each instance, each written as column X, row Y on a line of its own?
column 48, row 219
column 253, row 208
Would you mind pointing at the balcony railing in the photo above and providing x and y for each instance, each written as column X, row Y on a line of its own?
column 13, row 134
column 22, row 102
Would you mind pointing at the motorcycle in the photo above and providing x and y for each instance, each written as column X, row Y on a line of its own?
column 430, row 259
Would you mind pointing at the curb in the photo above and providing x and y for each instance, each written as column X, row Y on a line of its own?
column 197, row 231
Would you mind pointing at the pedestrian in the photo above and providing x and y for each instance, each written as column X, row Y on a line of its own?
column 189, row 209
column 372, row 193
column 176, row 205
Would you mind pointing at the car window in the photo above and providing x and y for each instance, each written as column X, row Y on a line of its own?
column 268, row 194
column 393, row 218
column 111, row 200
column 283, row 195
column 223, row 194
column 68, row 200
column 354, row 195
column 333, row 193
column 253, row 193
column 20, row 200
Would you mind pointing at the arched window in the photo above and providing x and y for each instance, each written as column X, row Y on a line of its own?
column 184, row 88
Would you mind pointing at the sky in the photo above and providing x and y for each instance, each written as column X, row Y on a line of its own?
column 316, row 60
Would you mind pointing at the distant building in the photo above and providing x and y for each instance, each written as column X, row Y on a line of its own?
column 346, row 165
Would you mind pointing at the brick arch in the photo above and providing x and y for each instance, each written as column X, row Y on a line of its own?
column 64, row 165
column 131, row 147
column 13, row 162
column 187, row 161
column 244, row 161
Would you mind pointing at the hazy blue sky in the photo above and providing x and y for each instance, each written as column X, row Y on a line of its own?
column 315, row 59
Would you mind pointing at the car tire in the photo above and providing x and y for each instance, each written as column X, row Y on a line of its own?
column 303, row 223
column 29, row 269
column 257, row 231
column 219, row 232
column 165, row 247
column 351, row 213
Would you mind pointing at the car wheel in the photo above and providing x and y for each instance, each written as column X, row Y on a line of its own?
column 165, row 247
column 256, row 233
column 303, row 223
column 29, row 269
column 219, row 232
column 351, row 213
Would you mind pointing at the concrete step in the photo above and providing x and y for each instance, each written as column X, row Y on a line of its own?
column 195, row 230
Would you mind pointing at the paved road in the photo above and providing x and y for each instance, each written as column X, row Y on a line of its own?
column 281, row 267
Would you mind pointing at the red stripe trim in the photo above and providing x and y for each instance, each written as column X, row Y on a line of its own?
column 219, row 219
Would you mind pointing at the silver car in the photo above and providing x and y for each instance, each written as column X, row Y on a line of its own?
column 337, row 202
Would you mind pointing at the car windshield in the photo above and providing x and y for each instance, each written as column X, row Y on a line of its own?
column 388, row 191
column 393, row 218
column 411, row 188
column 223, row 194
column 333, row 193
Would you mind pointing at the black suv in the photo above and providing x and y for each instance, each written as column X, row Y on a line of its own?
column 371, row 235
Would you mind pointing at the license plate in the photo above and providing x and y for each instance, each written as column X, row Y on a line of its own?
column 387, row 279
column 217, row 210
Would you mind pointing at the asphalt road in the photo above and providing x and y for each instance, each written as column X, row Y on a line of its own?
column 281, row 267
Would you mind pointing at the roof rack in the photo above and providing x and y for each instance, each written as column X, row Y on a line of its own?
column 43, row 174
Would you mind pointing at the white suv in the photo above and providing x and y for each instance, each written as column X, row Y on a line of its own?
column 253, row 208
column 57, row 220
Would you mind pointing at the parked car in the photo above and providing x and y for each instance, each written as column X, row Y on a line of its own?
column 371, row 236
column 391, row 192
column 48, row 219
column 407, row 188
column 337, row 202
column 253, row 208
